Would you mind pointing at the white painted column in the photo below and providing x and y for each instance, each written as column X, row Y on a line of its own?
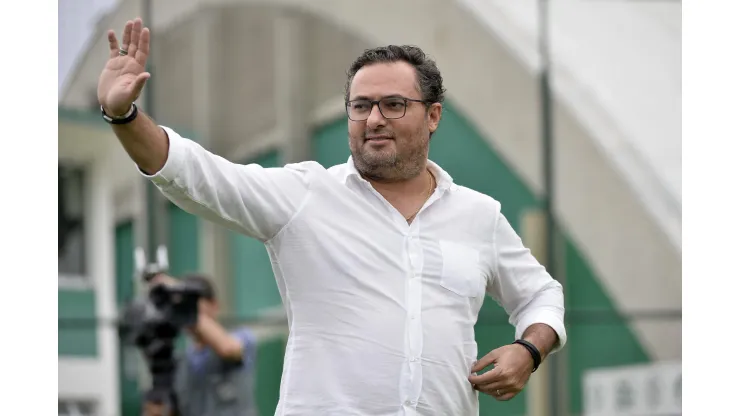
column 102, row 271
column 292, row 86
column 534, row 237
column 540, row 389
column 134, row 360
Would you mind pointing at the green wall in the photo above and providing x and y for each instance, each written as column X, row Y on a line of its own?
column 76, row 325
column 253, row 281
column 184, row 254
column 268, row 372
column 602, row 341
column 459, row 149
column 183, row 246
column 253, row 290
column 124, row 258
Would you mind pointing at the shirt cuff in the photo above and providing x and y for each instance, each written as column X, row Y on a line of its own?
column 246, row 337
column 249, row 346
column 175, row 159
column 553, row 319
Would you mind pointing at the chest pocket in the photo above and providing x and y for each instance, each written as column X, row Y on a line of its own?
column 460, row 269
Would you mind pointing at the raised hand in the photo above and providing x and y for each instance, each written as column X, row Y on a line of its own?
column 124, row 74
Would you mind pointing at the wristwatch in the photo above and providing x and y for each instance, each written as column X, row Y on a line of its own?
column 124, row 119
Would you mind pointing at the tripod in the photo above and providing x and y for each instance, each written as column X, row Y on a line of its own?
column 164, row 399
column 162, row 367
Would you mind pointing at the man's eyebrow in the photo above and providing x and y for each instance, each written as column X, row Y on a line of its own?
column 364, row 97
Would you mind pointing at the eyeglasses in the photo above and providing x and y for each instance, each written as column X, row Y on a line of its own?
column 390, row 108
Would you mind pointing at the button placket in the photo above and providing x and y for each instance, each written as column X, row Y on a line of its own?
column 415, row 338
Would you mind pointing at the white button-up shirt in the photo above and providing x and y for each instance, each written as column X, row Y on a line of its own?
column 381, row 312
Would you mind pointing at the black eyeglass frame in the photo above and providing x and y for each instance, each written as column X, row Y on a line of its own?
column 374, row 103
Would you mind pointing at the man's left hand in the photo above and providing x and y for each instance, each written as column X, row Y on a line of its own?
column 512, row 367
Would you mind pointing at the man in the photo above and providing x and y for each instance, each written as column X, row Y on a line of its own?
column 215, row 375
column 383, row 262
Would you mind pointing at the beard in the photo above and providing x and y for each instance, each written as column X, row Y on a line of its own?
column 397, row 163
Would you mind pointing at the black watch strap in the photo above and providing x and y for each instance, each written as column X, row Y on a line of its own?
column 129, row 117
column 536, row 356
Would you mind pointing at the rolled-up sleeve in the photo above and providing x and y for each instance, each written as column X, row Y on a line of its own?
column 249, row 199
column 523, row 287
column 249, row 347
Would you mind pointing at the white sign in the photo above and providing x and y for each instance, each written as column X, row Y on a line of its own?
column 638, row 390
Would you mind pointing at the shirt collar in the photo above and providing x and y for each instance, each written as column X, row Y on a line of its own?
column 444, row 180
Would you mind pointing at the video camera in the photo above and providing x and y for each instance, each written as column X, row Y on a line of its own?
column 154, row 322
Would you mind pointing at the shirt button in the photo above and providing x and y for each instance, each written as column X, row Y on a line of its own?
column 414, row 359
column 413, row 316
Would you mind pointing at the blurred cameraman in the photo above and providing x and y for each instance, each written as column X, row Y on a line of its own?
column 215, row 375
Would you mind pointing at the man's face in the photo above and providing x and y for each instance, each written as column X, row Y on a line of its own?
column 396, row 149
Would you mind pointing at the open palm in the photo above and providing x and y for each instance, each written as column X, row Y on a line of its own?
column 124, row 74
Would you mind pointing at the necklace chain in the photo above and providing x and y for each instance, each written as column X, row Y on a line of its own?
column 429, row 193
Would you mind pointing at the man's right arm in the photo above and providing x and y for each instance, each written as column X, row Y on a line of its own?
column 145, row 142
column 249, row 199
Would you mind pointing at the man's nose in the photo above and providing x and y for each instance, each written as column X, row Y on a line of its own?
column 375, row 119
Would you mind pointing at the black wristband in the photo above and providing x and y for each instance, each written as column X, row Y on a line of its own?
column 532, row 351
column 125, row 120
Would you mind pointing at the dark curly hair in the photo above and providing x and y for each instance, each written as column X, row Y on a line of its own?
column 202, row 282
column 429, row 79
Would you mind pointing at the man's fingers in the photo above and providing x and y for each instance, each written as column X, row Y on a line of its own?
column 138, row 84
column 135, row 41
column 488, row 377
column 491, row 388
column 126, row 40
column 135, row 36
column 485, row 361
column 113, row 43
column 142, row 51
column 505, row 396
column 499, row 393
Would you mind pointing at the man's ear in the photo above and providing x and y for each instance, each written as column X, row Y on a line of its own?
column 434, row 115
